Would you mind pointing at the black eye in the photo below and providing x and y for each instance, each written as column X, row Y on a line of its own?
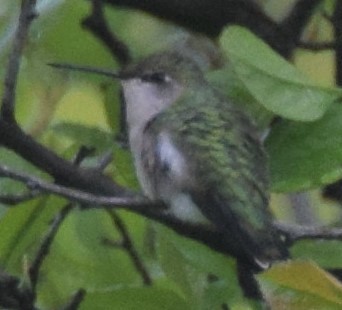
column 155, row 77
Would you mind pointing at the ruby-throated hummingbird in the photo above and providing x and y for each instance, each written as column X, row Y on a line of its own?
column 201, row 156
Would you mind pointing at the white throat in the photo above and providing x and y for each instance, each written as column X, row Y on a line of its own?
column 143, row 102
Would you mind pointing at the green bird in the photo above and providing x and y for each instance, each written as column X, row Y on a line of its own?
column 202, row 157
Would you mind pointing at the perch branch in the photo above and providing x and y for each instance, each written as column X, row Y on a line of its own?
column 299, row 232
column 142, row 205
column 73, row 194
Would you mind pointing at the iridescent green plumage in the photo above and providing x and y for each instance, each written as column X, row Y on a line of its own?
column 202, row 150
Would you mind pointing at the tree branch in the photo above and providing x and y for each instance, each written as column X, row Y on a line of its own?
column 12, row 136
column 45, row 246
column 208, row 17
column 12, row 200
column 317, row 46
column 131, row 202
column 97, row 25
column 127, row 244
column 299, row 232
column 298, row 18
column 76, row 300
column 27, row 15
column 64, row 172
column 143, row 206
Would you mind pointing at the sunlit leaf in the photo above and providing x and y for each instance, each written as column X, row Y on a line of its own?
column 300, row 285
column 275, row 83
column 85, row 135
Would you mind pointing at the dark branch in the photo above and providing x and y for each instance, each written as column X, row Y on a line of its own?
column 334, row 191
column 46, row 245
column 203, row 16
column 97, row 25
column 72, row 194
column 27, row 14
column 299, row 232
column 12, row 136
column 143, row 206
column 208, row 17
column 127, row 244
column 76, row 300
column 12, row 200
column 298, row 18
column 317, row 46
column 64, row 172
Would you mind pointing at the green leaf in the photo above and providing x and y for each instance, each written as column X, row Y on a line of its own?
column 326, row 253
column 151, row 298
column 19, row 228
column 112, row 105
column 174, row 265
column 206, row 262
column 122, row 169
column 79, row 258
column 64, row 41
column 300, row 285
column 85, row 135
column 228, row 83
column 275, row 83
column 306, row 155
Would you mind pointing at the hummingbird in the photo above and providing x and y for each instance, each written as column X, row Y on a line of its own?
column 201, row 156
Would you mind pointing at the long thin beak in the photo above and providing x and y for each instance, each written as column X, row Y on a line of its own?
column 67, row 66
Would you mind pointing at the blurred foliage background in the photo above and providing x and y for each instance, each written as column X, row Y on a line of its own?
column 65, row 110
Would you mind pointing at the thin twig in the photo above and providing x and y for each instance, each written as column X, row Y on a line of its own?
column 85, row 198
column 127, row 244
column 76, row 300
column 46, row 245
column 140, row 205
column 97, row 24
column 82, row 153
column 317, row 46
column 105, row 160
column 299, row 232
column 12, row 200
column 27, row 15
column 126, row 240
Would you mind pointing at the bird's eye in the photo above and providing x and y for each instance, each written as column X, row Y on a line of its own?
column 155, row 77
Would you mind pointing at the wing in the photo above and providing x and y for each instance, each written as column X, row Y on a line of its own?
column 211, row 154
